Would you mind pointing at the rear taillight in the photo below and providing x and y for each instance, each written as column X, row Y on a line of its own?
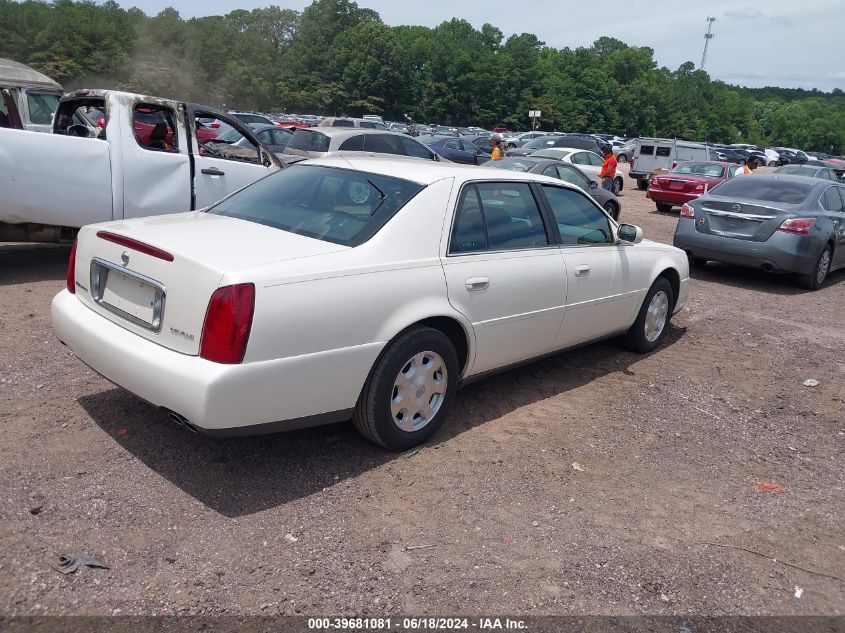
column 687, row 211
column 228, row 320
column 71, row 269
column 700, row 187
column 797, row 226
column 214, row 126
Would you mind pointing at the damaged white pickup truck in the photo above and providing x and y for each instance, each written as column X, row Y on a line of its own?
column 152, row 156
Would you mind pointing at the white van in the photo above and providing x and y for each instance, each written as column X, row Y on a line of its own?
column 651, row 154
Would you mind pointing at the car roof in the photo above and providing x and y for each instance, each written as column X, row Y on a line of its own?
column 807, row 180
column 422, row 172
column 346, row 132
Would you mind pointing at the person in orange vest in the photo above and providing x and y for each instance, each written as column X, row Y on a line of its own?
column 497, row 153
column 608, row 170
column 748, row 168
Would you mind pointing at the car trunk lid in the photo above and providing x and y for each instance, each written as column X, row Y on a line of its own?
column 747, row 221
column 155, row 276
column 682, row 183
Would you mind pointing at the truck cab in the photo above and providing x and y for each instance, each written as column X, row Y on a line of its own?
column 28, row 99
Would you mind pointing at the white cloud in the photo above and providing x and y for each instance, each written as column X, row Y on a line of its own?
column 744, row 13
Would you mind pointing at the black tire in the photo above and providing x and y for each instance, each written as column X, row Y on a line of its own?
column 622, row 158
column 697, row 262
column 815, row 279
column 642, row 184
column 617, row 185
column 613, row 209
column 772, row 163
column 635, row 338
column 663, row 207
column 372, row 415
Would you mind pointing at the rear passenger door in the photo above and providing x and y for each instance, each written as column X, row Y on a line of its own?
column 504, row 273
column 604, row 278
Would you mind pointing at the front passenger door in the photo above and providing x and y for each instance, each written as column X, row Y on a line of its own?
column 504, row 273
column 604, row 278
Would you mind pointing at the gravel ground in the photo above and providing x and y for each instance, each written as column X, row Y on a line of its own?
column 663, row 513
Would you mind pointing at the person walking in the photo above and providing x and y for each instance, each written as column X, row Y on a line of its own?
column 608, row 169
column 749, row 167
column 498, row 153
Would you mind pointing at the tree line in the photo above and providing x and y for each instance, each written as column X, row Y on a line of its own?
column 335, row 57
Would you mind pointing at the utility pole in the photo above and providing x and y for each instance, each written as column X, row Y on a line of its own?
column 707, row 37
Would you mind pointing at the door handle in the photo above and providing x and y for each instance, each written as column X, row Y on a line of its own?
column 582, row 271
column 213, row 171
column 474, row 284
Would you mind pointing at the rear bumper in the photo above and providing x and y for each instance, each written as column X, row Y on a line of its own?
column 670, row 197
column 782, row 252
column 303, row 390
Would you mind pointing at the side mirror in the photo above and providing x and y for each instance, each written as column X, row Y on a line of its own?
column 629, row 233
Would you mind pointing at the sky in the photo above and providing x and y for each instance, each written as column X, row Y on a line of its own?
column 786, row 43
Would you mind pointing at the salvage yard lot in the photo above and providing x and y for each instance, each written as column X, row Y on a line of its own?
column 597, row 481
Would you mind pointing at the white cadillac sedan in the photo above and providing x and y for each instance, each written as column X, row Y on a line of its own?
column 362, row 288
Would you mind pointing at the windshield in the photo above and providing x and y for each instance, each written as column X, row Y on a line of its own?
column 700, row 169
column 765, row 189
column 327, row 203
column 41, row 106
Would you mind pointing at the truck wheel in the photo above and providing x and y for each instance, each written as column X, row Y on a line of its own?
column 653, row 319
column 642, row 184
column 815, row 279
column 617, row 185
column 622, row 158
column 409, row 391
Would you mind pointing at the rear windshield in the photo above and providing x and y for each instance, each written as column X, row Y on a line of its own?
column 765, row 189
column 342, row 206
column 537, row 143
column 700, row 169
column 309, row 141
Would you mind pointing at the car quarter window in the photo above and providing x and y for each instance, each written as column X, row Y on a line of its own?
column 551, row 170
column 497, row 216
column 570, row 174
column 831, row 199
column 578, row 219
column 580, row 158
column 453, row 144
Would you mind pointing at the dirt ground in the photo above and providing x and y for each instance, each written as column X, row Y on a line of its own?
column 663, row 513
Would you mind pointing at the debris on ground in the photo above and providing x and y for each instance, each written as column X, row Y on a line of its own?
column 535, row 524
column 69, row 563
column 408, row 454
column 36, row 510
column 769, row 487
column 290, row 538
column 578, row 467
column 798, row 592
column 397, row 560
column 811, row 382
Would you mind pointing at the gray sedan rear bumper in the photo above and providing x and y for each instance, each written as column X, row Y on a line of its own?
column 782, row 252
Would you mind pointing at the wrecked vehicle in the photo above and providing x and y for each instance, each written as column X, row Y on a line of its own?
column 28, row 98
column 151, row 157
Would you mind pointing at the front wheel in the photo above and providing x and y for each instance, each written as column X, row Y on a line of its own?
column 612, row 209
column 815, row 279
column 617, row 186
column 653, row 319
column 409, row 390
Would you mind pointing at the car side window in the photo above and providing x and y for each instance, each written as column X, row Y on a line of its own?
column 383, row 144
column 415, row 148
column 367, row 124
column 155, row 127
column 731, row 171
column 551, row 171
column 646, row 150
column 579, row 158
column 468, row 234
column 452, row 144
column 594, row 160
column 245, row 152
column 353, row 144
column 831, row 200
column 578, row 219
column 572, row 175
column 511, row 216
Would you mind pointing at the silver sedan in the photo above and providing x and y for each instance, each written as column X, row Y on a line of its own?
column 778, row 223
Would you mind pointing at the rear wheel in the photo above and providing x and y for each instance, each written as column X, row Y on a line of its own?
column 664, row 207
column 642, row 184
column 772, row 163
column 612, row 209
column 815, row 279
column 653, row 319
column 617, row 185
column 409, row 391
column 622, row 158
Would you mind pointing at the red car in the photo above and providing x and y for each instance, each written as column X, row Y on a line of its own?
column 144, row 122
column 686, row 181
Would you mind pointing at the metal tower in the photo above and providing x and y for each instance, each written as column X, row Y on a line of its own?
column 707, row 37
